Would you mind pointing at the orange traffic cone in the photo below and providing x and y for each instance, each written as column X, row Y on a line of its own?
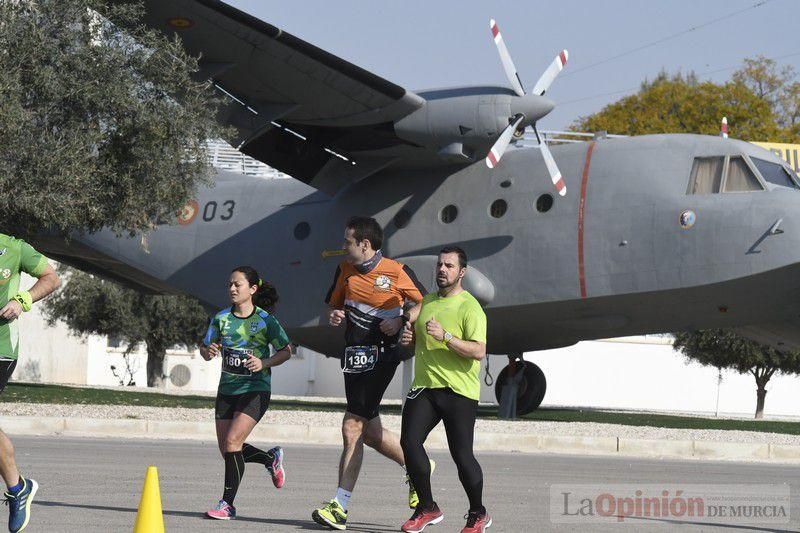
column 149, row 518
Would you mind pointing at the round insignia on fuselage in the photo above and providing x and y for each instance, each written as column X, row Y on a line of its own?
column 687, row 219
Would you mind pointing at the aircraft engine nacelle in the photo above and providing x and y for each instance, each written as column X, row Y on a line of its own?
column 466, row 124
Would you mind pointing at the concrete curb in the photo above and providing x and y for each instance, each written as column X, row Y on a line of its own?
column 488, row 442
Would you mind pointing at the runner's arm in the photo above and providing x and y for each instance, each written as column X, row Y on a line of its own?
column 280, row 357
column 209, row 348
column 48, row 282
column 412, row 314
column 280, row 342
column 34, row 264
column 473, row 345
column 467, row 349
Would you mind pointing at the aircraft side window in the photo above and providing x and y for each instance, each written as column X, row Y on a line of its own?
column 774, row 173
column 302, row 231
column 448, row 214
column 498, row 208
column 740, row 178
column 706, row 176
column 544, row 203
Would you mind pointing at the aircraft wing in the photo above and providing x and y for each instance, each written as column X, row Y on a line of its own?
column 295, row 107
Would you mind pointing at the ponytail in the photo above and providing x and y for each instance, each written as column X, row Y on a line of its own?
column 266, row 297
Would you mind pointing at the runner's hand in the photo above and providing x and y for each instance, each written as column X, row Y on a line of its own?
column 11, row 310
column 335, row 317
column 435, row 329
column 407, row 337
column 253, row 363
column 391, row 326
column 213, row 350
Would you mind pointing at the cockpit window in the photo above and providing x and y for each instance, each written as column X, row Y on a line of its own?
column 706, row 175
column 740, row 178
column 774, row 173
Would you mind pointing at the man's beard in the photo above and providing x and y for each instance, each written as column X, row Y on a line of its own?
column 442, row 283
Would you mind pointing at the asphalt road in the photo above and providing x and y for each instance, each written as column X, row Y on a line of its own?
column 93, row 485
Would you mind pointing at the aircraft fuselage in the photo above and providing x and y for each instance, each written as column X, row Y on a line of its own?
column 616, row 256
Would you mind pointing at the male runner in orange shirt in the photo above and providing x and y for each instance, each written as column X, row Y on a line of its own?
column 368, row 295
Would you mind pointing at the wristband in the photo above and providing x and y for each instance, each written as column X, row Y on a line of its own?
column 24, row 299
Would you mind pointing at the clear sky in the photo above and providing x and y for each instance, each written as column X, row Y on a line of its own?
column 426, row 44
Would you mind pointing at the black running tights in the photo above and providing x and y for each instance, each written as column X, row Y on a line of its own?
column 420, row 415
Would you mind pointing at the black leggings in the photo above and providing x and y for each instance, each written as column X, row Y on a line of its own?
column 421, row 414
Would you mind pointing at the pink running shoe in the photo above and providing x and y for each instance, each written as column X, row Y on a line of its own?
column 222, row 511
column 276, row 468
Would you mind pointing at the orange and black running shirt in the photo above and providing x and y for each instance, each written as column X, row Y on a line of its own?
column 371, row 295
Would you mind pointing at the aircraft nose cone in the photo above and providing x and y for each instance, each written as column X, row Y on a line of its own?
column 534, row 107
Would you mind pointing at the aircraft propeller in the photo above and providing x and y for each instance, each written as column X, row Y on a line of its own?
column 517, row 123
column 502, row 142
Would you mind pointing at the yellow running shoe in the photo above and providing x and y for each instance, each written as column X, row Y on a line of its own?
column 331, row 515
column 413, row 497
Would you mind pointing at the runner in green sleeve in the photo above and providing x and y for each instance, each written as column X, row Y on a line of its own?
column 17, row 256
column 242, row 335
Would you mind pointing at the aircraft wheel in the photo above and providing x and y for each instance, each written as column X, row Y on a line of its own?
column 531, row 390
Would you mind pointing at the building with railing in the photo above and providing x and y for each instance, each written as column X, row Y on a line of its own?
column 225, row 157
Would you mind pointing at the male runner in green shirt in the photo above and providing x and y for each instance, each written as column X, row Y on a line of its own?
column 449, row 334
column 17, row 256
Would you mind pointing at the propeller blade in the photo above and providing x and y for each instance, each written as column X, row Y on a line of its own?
column 550, row 74
column 724, row 128
column 502, row 142
column 552, row 168
column 505, row 58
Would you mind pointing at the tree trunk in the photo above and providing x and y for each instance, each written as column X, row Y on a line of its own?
column 761, row 394
column 155, row 365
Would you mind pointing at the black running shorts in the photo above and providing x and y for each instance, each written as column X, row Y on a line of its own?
column 253, row 404
column 6, row 369
column 365, row 390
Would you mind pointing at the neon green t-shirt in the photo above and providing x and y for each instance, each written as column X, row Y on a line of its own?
column 435, row 365
column 16, row 256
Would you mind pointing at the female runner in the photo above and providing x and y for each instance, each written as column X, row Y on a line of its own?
column 242, row 335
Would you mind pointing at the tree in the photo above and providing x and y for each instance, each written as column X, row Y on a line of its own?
column 761, row 103
column 725, row 349
column 90, row 305
column 774, row 85
column 98, row 127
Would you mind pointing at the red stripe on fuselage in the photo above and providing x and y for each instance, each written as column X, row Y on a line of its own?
column 581, row 219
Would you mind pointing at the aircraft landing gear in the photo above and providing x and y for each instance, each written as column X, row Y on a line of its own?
column 520, row 387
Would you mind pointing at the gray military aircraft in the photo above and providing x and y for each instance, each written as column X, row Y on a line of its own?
column 658, row 233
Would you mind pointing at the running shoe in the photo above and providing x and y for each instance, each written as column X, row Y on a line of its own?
column 477, row 522
column 421, row 519
column 413, row 497
column 331, row 515
column 222, row 511
column 19, row 505
column 276, row 469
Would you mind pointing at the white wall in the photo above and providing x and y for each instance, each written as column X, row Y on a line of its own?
column 645, row 373
column 48, row 353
